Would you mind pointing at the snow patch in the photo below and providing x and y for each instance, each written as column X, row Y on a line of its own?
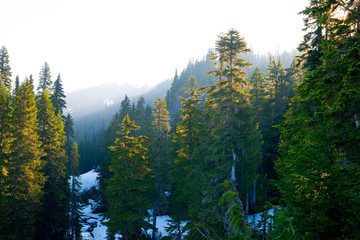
column 89, row 180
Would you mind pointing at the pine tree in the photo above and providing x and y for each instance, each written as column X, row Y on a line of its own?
column 6, row 130
column 54, row 219
column 24, row 179
column 75, row 214
column 58, row 96
column 69, row 133
column 17, row 84
column 5, row 70
column 320, row 159
column 235, row 141
column 129, row 190
column 185, row 198
column 159, row 157
column 45, row 81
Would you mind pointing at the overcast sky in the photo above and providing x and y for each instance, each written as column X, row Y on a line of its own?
column 90, row 42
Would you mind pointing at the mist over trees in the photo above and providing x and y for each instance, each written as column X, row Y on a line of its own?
column 233, row 135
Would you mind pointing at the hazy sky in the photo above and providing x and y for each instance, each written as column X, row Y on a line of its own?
column 136, row 41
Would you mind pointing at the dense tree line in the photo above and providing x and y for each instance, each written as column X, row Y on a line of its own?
column 36, row 199
column 284, row 137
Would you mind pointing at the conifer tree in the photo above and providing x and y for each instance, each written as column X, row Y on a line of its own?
column 6, row 130
column 45, row 81
column 5, row 70
column 185, row 173
column 58, row 96
column 17, row 84
column 75, row 214
column 54, row 218
column 69, row 133
column 129, row 190
column 24, row 179
column 235, row 141
column 159, row 157
column 320, row 159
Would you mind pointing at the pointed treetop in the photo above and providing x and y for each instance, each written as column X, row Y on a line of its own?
column 45, row 78
column 5, row 70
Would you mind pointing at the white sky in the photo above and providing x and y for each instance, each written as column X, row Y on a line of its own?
column 90, row 42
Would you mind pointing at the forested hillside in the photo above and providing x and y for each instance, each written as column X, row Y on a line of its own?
column 237, row 145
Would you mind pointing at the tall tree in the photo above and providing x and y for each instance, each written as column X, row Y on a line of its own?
column 45, row 81
column 185, row 174
column 75, row 214
column 6, row 138
column 235, row 141
column 58, row 96
column 5, row 70
column 24, row 179
column 54, row 219
column 320, row 159
column 159, row 157
column 129, row 191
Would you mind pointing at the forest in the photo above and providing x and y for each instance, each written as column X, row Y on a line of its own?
column 235, row 135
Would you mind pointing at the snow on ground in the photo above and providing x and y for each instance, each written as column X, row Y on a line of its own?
column 253, row 220
column 88, row 180
column 93, row 228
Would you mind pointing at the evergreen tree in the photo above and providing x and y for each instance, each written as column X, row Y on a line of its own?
column 24, row 179
column 185, row 199
column 75, row 214
column 69, row 133
column 159, row 157
column 320, row 159
column 234, row 141
column 54, row 217
column 130, row 187
column 58, row 96
column 45, row 81
column 5, row 70
column 17, row 84
column 6, row 130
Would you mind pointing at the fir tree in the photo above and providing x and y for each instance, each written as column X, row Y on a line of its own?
column 159, row 157
column 235, row 141
column 129, row 191
column 24, row 179
column 45, row 81
column 58, row 96
column 75, row 214
column 54, row 219
column 5, row 70
column 320, row 159
column 6, row 130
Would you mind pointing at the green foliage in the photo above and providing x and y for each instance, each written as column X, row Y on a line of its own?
column 129, row 190
column 24, row 179
column 54, row 219
column 45, row 81
column 319, row 167
column 74, row 233
column 5, row 70
column 58, row 96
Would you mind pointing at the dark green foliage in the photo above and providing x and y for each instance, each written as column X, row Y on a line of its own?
column 129, row 190
column 58, row 96
column 319, row 167
column 75, row 214
column 6, row 138
column 24, row 179
column 159, row 157
column 45, row 81
column 54, row 219
column 5, row 70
